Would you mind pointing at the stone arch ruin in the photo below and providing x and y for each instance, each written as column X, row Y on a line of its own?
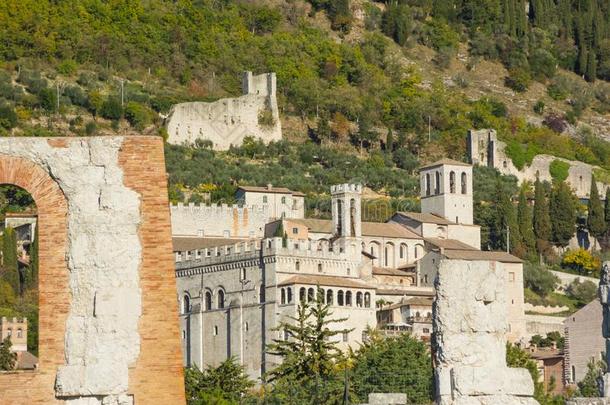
column 108, row 331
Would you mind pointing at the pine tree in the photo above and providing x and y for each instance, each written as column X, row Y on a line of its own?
column 595, row 218
column 9, row 259
column 542, row 218
column 607, row 209
column 524, row 215
column 308, row 350
column 563, row 207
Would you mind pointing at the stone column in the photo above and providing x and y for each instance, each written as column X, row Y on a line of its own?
column 469, row 343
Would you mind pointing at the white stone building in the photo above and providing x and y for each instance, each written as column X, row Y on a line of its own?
column 234, row 289
column 228, row 121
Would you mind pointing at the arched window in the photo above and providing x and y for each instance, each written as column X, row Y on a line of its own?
column 437, row 185
column 329, row 297
column 359, row 299
column 311, row 295
column 428, row 186
column 367, row 300
column 242, row 274
column 573, row 376
column 264, row 199
column 404, row 252
column 19, row 333
column 297, row 265
column 282, row 296
column 186, row 304
column 208, row 300
column 261, row 294
column 321, row 294
column 221, row 299
column 340, row 298
column 464, row 183
column 348, row 298
column 452, row 182
column 289, row 294
column 283, row 200
column 302, row 294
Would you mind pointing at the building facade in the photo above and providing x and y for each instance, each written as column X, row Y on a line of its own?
column 235, row 292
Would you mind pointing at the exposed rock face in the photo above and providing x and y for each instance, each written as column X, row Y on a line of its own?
column 228, row 121
column 470, row 325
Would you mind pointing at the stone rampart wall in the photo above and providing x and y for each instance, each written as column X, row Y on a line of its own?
column 228, row 121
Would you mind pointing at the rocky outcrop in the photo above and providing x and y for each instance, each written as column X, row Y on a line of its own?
column 228, row 121
column 469, row 343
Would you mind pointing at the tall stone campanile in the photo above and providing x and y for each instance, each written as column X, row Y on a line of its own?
column 446, row 190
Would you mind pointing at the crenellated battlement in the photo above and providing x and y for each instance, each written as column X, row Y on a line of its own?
column 249, row 250
column 346, row 188
column 14, row 321
column 216, row 208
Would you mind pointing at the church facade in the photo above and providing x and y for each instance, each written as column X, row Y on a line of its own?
column 235, row 291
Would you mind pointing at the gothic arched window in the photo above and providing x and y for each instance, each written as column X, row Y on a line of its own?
column 186, row 304
column 428, row 185
column 437, row 185
column 208, row 300
column 221, row 299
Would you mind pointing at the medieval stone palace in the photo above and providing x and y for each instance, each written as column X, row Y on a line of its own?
column 242, row 270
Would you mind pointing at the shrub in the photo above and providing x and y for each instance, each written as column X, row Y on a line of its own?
column 112, row 109
column 48, row 99
column 559, row 170
column 8, row 117
column 90, row 128
column 584, row 292
column 539, row 107
column 67, row 67
column 542, row 64
column 539, row 279
column 555, row 122
column 138, row 116
column 581, row 261
column 518, row 79
column 265, row 118
column 76, row 95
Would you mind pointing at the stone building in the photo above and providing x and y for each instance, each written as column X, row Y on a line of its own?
column 17, row 330
column 228, row 121
column 550, row 362
column 257, row 207
column 583, row 340
column 234, row 291
column 485, row 149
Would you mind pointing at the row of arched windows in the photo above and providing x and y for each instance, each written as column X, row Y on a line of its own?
column 344, row 298
column 218, row 303
column 452, row 183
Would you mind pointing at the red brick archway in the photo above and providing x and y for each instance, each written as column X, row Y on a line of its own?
column 157, row 375
column 54, row 297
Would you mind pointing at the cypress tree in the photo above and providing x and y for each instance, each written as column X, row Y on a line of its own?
column 595, row 218
column 563, row 207
column 389, row 142
column 524, row 215
column 591, row 72
column 542, row 218
column 505, row 217
column 32, row 277
column 9, row 259
column 607, row 210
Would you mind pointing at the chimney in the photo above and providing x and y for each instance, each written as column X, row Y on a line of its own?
column 269, row 186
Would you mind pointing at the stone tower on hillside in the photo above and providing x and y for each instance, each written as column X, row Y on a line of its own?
column 347, row 217
column 446, row 190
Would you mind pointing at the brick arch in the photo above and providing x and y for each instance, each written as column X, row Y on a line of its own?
column 53, row 293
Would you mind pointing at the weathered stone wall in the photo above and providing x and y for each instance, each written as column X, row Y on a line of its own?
column 469, row 343
column 219, row 220
column 106, row 279
column 485, row 149
column 228, row 121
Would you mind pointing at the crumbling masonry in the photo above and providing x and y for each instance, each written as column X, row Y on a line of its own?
column 108, row 331
column 469, row 343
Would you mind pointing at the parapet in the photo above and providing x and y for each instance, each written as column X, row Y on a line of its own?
column 261, row 85
column 346, row 188
column 14, row 321
column 216, row 208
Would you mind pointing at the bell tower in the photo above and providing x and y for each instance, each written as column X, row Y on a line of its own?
column 446, row 190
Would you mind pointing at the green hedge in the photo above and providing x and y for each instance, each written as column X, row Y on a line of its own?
column 559, row 170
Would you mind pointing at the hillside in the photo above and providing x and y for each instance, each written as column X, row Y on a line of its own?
column 348, row 72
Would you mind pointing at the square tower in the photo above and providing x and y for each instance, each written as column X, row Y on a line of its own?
column 346, row 210
column 446, row 190
column 17, row 330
